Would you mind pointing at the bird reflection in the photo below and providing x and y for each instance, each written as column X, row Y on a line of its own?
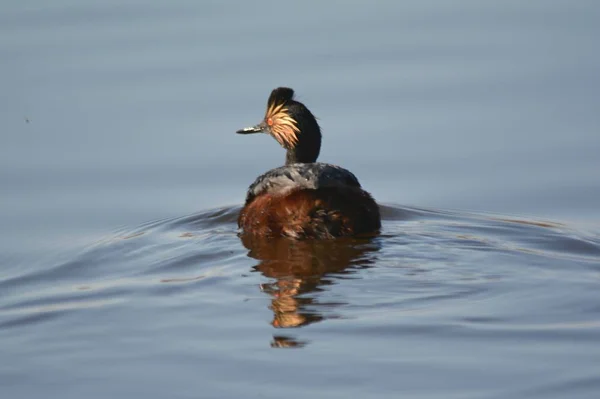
column 301, row 269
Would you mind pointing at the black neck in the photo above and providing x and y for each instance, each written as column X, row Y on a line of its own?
column 304, row 152
column 308, row 143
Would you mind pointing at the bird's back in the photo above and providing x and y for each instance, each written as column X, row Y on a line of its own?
column 284, row 179
column 309, row 200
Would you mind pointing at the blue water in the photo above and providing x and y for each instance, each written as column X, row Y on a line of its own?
column 474, row 123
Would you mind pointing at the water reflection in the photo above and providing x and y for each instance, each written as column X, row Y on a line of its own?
column 300, row 270
column 283, row 341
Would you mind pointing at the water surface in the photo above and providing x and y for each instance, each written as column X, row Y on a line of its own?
column 475, row 124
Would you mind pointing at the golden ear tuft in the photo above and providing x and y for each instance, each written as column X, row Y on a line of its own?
column 283, row 126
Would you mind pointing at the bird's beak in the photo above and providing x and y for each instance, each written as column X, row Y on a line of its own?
column 254, row 129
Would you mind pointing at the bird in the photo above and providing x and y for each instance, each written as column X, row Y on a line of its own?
column 303, row 199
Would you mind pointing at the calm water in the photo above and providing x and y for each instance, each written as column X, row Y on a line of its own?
column 475, row 123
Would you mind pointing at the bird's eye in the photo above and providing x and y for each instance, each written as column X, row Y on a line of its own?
column 270, row 121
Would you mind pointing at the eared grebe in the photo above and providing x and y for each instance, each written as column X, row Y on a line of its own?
column 304, row 198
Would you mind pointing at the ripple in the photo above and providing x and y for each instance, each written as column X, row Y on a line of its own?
column 431, row 278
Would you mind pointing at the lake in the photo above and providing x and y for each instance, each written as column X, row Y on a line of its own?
column 474, row 124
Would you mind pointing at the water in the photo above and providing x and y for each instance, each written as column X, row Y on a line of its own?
column 121, row 273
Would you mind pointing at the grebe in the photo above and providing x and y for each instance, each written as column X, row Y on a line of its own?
column 304, row 198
